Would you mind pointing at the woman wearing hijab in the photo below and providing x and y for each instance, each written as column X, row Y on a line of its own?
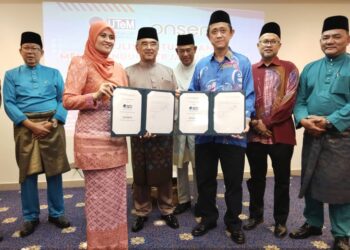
column 89, row 85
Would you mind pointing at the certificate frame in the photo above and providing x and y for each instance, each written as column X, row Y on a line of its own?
column 215, row 100
column 142, row 112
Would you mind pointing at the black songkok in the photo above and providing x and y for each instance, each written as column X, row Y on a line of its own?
column 271, row 27
column 31, row 37
column 335, row 22
column 147, row 32
column 185, row 40
column 219, row 16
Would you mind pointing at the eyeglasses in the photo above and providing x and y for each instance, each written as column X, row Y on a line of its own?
column 269, row 42
column 31, row 49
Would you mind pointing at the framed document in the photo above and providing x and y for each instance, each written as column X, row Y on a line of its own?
column 228, row 112
column 212, row 113
column 137, row 111
column 126, row 111
column 193, row 113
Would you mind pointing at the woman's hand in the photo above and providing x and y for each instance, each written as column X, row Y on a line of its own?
column 106, row 89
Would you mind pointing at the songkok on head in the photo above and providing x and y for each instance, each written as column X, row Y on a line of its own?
column 185, row 40
column 147, row 32
column 271, row 27
column 219, row 16
column 31, row 37
column 335, row 22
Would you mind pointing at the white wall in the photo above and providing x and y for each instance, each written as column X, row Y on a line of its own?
column 300, row 21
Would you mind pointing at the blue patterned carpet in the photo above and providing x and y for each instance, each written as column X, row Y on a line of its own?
column 156, row 235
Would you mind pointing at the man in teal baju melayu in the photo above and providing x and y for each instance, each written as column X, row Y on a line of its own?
column 323, row 109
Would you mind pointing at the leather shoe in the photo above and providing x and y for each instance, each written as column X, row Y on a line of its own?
column 305, row 231
column 60, row 222
column 180, row 208
column 341, row 243
column 28, row 228
column 171, row 220
column 252, row 223
column 138, row 223
column 237, row 235
column 280, row 230
column 202, row 228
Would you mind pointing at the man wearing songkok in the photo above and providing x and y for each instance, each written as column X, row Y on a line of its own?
column 183, row 152
column 33, row 101
column 223, row 70
column 272, row 131
column 323, row 109
column 151, row 155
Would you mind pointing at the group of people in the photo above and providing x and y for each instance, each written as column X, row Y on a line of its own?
column 37, row 100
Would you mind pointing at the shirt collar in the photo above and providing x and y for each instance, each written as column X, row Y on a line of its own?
column 36, row 67
column 228, row 56
column 338, row 58
column 275, row 62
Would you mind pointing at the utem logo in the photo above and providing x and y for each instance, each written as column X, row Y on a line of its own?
column 127, row 106
column 122, row 24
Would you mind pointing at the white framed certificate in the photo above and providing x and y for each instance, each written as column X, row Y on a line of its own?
column 126, row 112
column 193, row 113
column 160, row 112
column 137, row 111
column 229, row 112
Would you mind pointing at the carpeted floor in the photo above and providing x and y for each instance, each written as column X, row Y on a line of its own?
column 156, row 235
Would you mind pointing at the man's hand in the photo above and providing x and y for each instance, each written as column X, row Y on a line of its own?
column 148, row 135
column 39, row 129
column 261, row 129
column 314, row 125
column 177, row 93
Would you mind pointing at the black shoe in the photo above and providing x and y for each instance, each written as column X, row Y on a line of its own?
column 60, row 222
column 341, row 243
column 171, row 220
column 138, row 223
column 180, row 208
column 28, row 228
column 305, row 231
column 237, row 235
column 202, row 228
column 280, row 230
column 1, row 237
column 252, row 223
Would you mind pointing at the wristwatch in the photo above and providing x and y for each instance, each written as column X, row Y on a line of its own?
column 54, row 123
column 329, row 125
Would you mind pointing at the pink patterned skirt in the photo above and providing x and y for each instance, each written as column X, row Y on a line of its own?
column 105, row 208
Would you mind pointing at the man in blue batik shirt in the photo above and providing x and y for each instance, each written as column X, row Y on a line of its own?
column 220, row 71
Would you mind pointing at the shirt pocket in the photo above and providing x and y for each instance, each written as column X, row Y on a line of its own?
column 341, row 86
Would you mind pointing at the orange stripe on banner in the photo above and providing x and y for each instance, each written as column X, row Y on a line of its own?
column 75, row 7
column 95, row 7
column 99, row 7
column 109, row 6
column 61, row 5
column 102, row 7
column 82, row 6
column 123, row 8
column 89, row 6
column 130, row 8
column 68, row 6
column 116, row 7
